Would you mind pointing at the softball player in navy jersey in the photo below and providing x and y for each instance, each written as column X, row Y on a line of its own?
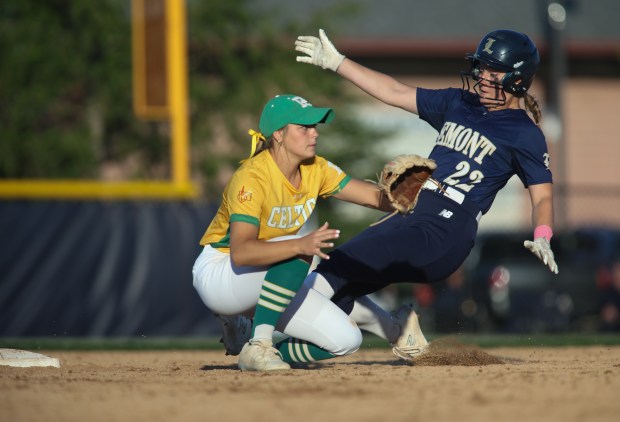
column 485, row 137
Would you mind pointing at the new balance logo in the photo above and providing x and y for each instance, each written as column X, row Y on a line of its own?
column 445, row 213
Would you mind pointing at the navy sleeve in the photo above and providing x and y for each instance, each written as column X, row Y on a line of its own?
column 531, row 157
column 433, row 104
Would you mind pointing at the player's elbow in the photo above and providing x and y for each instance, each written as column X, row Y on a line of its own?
column 238, row 258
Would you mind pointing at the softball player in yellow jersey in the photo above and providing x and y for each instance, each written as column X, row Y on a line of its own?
column 254, row 257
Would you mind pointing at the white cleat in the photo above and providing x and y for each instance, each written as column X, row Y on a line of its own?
column 411, row 343
column 236, row 331
column 257, row 355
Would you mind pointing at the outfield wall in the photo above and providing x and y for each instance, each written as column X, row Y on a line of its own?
column 101, row 268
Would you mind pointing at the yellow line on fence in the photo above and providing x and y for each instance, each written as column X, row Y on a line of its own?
column 81, row 189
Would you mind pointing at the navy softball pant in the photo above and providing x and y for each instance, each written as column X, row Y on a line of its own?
column 423, row 247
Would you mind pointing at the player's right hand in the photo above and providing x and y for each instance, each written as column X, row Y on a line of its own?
column 320, row 52
column 312, row 243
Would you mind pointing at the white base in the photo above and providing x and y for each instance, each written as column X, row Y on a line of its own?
column 25, row 359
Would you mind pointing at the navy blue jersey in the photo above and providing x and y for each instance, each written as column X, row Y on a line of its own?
column 477, row 151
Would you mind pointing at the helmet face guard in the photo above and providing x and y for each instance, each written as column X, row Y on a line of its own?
column 506, row 51
column 499, row 97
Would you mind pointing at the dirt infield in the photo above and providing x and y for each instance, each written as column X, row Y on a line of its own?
column 453, row 382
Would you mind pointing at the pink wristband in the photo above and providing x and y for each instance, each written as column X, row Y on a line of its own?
column 543, row 231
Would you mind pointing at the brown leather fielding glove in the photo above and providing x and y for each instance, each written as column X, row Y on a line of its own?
column 402, row 178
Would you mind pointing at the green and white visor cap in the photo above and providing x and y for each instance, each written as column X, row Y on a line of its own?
column 284, row 109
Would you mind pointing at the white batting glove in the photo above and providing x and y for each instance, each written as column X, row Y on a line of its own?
column 542, row 249
column 320, row 52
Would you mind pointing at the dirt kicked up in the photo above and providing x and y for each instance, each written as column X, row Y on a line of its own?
column 452, row 383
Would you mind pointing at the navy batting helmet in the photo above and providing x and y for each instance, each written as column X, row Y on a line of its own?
column 511, row 52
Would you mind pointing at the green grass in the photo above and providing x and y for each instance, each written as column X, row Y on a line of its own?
column 112, row 343
column 193, row 343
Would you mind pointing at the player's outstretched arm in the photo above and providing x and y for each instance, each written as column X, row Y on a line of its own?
column 321, row 52
column 364, row 193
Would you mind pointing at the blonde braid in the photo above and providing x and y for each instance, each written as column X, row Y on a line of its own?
column 532, row 106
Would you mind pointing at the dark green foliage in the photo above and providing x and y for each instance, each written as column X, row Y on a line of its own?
column 66, row 90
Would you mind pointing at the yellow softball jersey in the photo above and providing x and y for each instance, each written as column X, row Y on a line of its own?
column 259, row 194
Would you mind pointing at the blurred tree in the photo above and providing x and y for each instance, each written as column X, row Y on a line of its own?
column 65, row 91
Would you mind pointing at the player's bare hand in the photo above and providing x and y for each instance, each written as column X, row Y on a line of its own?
column 314, row 242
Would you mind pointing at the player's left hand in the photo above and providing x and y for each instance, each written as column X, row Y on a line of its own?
column 542, row 249
column 320, row 52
